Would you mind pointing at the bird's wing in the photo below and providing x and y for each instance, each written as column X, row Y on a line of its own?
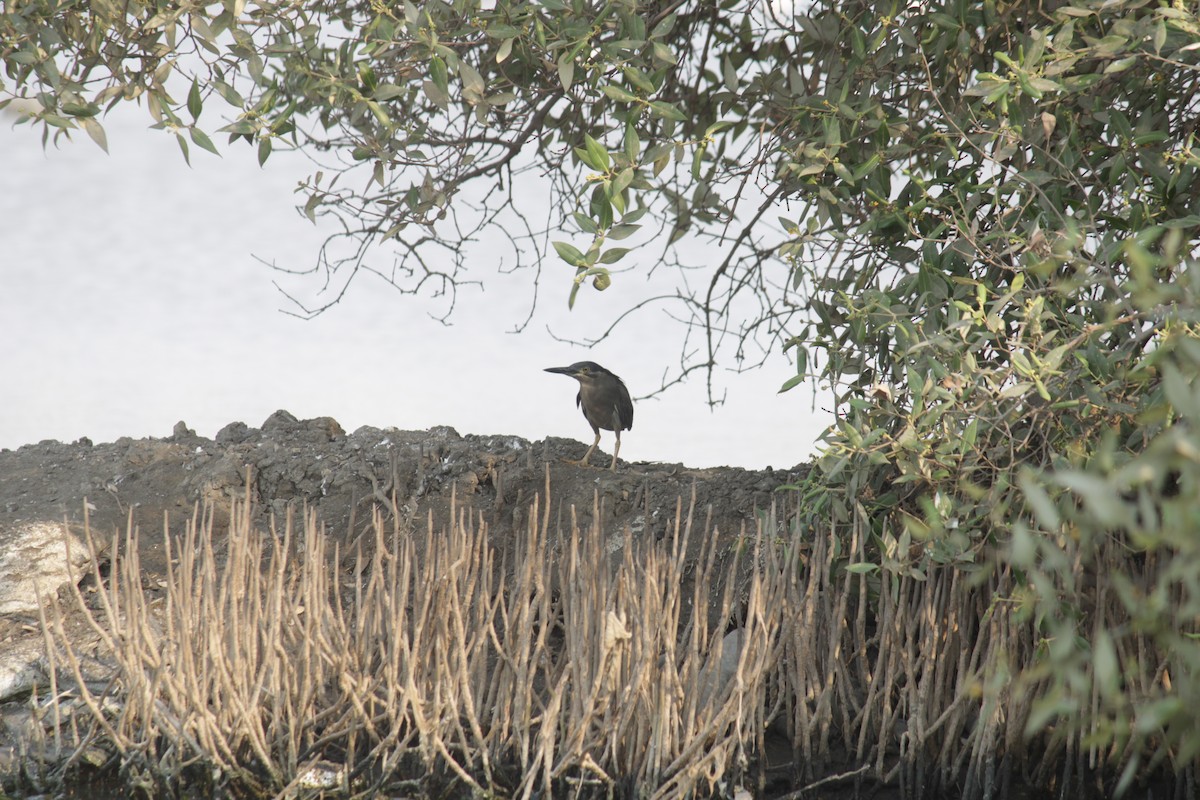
column 625, row 408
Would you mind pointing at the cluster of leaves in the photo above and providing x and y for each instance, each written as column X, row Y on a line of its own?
column 1012, row 306
column 430, row 98
column 610, row 121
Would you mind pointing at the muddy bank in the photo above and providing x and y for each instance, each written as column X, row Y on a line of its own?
column 295, row 464
column 288, row 468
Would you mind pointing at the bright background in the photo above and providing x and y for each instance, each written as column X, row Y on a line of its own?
column 133, row 294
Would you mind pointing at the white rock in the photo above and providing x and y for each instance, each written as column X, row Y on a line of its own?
column 33, row 563
column 21, row 666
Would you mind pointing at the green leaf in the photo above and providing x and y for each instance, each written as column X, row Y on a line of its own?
column 791, row 383
column 597, row 154
column 1160, row 35
column 635, row 215
column 264, row 149
column 1179, row 393
column 1120, row 65
column 970, row 436
column 1190, row 221
column 633, row 145
column 616, row 198
column 194, row 104
column 229, row 94
column 613, row 255
column 663, row 27
column 601, row 206
column 569, row 253
column 439, row 75
column 1038, row 500
column 78, row 110
column 201, row 139
column 639, row 79
column 1098, row 497
column 378, row 112
column 566, row 71
column 862, row 170
column 987, row 88
column 586, row 223
column 1105, row 665
column 472, row 81
column 95, row 131
column 622, row 231
column 436, row 94
column 183, row 146
column 698, row 160
column 615, row 92
column 505, row 51
column 661, row 108
column 717, row 127
column 386, row 91
column 498, row 30
column 368, row 78
column 622, row 181
column 1044, row 85
column 241, row 127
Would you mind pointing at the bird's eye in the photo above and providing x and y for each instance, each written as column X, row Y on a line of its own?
column 585, row 370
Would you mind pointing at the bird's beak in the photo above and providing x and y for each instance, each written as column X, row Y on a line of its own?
column 561, row 370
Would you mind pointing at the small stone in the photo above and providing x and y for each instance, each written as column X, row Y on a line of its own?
column 326, row 427
column 280, row 420
column 321, row 776
column 233, row 433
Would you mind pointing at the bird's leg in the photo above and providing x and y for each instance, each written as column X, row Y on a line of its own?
column 613, row 466
column 583, row 462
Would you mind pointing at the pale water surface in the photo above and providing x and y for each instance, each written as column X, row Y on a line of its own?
column 132, row 296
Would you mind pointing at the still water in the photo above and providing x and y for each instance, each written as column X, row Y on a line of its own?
column 135, row 294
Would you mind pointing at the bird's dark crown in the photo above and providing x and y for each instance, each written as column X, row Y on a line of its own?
column 581, row 370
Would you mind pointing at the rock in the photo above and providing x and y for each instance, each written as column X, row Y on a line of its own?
column 181, row 431
column 281, row 420
column 714, row 677
column 321, row 776
column 36, row 560
column 35, row 563
column 22, row 666
column 233, row 433
column 327, row 426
